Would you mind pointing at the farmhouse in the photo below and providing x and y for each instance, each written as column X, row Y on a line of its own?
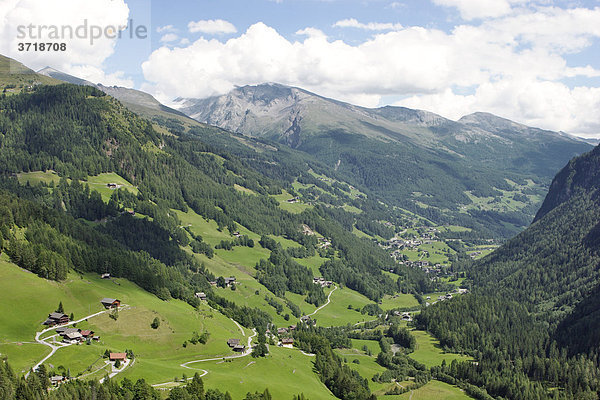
column 110, row 303
column 281, row 331
column 105, row 276
column 239, row 348
column 233, row 342
column 87, row 334
column 229, row 281
column 56, row 318
column 322, row 282
column 72, row 337
column 287, row 342
column 63, row 331
column 200, row 295
column 117, row 356
column 57, row 380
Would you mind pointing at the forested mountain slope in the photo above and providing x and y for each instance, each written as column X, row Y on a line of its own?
column 532, row 322
column 554, row 263
column 448, row 171
column 78, row 132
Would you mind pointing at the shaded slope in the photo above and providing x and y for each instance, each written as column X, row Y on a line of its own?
column 554, row 265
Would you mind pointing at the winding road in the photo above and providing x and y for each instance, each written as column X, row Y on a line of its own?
column 55, row 347
column 247, row 352
column 324, row 305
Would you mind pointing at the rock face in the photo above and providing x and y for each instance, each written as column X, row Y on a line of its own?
column 580, row 175
column 288, row 114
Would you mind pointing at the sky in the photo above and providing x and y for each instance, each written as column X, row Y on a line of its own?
column 535, row 62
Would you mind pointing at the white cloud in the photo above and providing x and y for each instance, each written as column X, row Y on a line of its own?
column 212, row 26
column 474, row 9
column 311, row 32
column 169, row 37
column 514, row 66
column 371, row 26
column 544, row 104
column 166, row 28
column 65, row 20
column 97, row 75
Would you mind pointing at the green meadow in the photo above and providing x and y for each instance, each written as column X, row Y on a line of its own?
column 429, row 352
column 284, row 371
column 35, row 297
column 401, row 300
column 295, row 208
column 337, row 313
column 313, row 263
column 434, row 390
column 98, row 182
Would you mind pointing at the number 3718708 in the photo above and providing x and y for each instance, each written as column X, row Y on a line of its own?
column 35, row 46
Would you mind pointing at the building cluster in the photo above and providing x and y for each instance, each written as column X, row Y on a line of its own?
column 324, row 243
column 75, row 335
column 402, row 244
column 419, row 264
column 285, row 338
column 404, row 315
column 228, row 281
column 322, row 282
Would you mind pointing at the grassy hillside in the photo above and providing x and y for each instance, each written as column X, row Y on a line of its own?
column 35, row 297
column 433, row 390
column 159, row 352
column 15, row 77
column 285, row 372
column 429, row 352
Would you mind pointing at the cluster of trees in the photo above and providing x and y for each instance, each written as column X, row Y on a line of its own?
column 281, row 273
column 243, row 240
column 402, row 337
column 399, row 367
column 340, row 379
column 515, row 354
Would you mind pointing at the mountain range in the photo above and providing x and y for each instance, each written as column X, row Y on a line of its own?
column 450, row 171
column 299, row 206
